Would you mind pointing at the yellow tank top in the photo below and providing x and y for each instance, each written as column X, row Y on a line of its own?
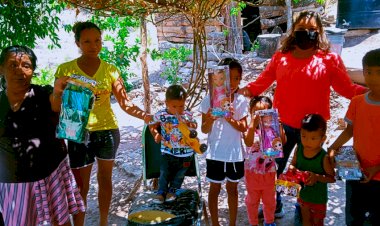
column 101, row 116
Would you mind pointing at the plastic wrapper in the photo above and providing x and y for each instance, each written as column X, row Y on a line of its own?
column 347, row 164
column 291, row 182
column 271, row 144
column 77, row 102
column 219, row 86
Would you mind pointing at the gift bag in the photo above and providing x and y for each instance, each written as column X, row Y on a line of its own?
column 77, row 102
column 347, row 164
column 219, row 86
column 271, row 144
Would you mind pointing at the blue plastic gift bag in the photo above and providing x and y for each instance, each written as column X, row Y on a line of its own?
column 77, row 102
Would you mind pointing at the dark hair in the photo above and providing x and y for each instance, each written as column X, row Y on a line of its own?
column 80, row 26
column 262, row 99
column 314, row 122
column 16, row 49
column 289, row 42
column 175, row 92
column 372, row 58
column 232, row 63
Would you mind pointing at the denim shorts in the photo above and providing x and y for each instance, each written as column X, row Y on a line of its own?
column 102, row 144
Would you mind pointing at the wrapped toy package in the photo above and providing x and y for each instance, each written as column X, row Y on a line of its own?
column 347, row 164
column 271, row 144
column 219, row 86
column 77, row 102
column 291, row 182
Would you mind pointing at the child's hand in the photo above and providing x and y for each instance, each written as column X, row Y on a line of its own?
column 148, row 118
column 370, row 172
column 331, row 156
column 157, row 138
column 311, row 180
column 292, row 169
column 192, row 125
column 209, row 117
column 256, row 145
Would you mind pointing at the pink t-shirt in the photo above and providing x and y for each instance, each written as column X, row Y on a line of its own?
column 364, row 115
column 303, row 85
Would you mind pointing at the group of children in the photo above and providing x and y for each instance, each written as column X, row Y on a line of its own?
column 225, row 158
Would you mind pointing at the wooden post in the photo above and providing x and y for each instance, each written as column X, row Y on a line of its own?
column 234, row 39
column 144, row 66
column 289, row 13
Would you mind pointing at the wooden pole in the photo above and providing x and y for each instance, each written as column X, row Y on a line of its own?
column 289, row 12
column 144, row 66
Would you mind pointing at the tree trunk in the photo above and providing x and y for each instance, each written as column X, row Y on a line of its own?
column 144, row 66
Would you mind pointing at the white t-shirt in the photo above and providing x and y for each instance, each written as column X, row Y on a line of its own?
column 225, row 142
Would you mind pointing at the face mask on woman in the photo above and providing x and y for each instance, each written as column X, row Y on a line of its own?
column 306, row 39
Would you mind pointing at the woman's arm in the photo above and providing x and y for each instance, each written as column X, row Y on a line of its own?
column 126, row 104
column 265, row 79
column 341, row 81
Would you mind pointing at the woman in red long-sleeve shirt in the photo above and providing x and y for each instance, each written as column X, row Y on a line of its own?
column 304, row 69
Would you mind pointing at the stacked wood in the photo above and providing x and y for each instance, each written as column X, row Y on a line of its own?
column 177, row 29
column 273, row 12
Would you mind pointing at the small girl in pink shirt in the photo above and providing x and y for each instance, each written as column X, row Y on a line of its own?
column 259, row 171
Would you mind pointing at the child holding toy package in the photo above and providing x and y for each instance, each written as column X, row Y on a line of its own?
column 224, row 159
column 312, row 158
column 259, row 171
column 363, row 124
column 176, row 155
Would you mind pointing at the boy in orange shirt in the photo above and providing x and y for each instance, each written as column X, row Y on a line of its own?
column 363, row 118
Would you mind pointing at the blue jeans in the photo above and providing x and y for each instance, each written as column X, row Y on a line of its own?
column 293, row 137
column 362, row 198
column 172, row 172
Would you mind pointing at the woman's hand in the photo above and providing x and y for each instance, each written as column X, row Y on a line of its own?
column 59, row 85
column 245, row 91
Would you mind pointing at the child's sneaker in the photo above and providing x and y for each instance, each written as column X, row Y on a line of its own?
column 159, row 199
column 170, row 197
column 271, row 224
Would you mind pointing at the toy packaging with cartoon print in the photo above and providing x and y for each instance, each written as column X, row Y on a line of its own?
column 219, row 86
column 271, row 144
column 291, row 182
column 77, row 102
column 347, row 164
